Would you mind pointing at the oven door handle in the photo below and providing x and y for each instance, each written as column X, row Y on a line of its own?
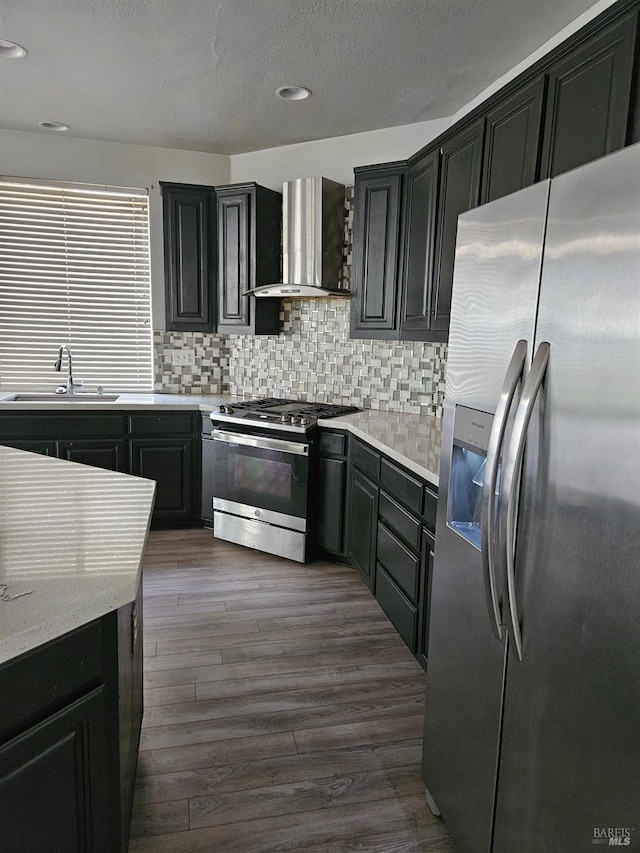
column 261, row 441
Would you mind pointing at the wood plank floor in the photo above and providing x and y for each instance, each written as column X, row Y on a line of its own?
column 282, row 710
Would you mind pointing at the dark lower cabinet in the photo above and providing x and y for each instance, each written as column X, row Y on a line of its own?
column 162, row 447
column 588, row 101
column 332, row 490
column 206, row 499
column 363, row 520
column 54, row 783
column 105, row 453
column 428, row 546
column 69, row 735
column 170, row 462
column 390, row 533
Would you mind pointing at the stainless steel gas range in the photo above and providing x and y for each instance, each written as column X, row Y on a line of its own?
column 265, row 469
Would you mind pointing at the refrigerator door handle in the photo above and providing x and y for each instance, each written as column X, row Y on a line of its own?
column 487, row 526
column 511, row 479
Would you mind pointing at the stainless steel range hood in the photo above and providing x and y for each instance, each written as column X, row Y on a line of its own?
column 312, row 239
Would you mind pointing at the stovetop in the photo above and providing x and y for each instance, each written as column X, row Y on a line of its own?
column 280, row 413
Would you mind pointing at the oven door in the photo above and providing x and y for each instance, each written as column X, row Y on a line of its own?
column 260, row 477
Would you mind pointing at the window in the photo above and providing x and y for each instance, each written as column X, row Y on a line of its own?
column 74, row 269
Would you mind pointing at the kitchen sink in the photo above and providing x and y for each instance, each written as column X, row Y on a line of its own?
column 60, row 398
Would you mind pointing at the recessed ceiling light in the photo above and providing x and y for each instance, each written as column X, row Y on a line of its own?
column 54, row 125
column 11, row 50
column 293, row 93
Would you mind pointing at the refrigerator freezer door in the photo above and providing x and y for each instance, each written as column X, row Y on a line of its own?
column 570, row 762
column 496, row 282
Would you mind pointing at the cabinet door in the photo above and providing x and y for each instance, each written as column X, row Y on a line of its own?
column 54, row 784
column 168, row 461
column 331, row 492
column 376, row 244
column 461, row 161
column 106, row 453
column 233, row 259
column 589, row 100
column 512, row 142
column 428, row 546
column 363, row 521
column 420, row 218
column 189, row 254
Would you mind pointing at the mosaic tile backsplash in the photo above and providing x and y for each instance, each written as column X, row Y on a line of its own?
column 312, row 358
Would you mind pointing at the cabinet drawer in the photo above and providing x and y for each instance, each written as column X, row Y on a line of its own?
column 401, row 612
column 57, row 425
column 368, row 461
column 399, row 521
column 401, row 486
column 173, row 424
column 399, row 562
column 430, row 509
column 333, row 444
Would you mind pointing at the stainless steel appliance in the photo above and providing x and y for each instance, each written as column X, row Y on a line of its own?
column 264, row 474
column 533, row 687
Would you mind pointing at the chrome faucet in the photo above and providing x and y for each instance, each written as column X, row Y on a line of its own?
column 70, row 387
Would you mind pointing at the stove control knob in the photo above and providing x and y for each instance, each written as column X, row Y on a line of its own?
column 285, row 418
column 304, row 421
column 222, row 409
column 229, row 410
column 295, row 419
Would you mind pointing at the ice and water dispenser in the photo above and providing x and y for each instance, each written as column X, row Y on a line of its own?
column 471, row 429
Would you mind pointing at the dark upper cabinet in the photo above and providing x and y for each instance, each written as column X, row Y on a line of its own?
column 460, row 167
column 512, row 142
column 419, row 237
column 189, row 256
column 589, row 99
column 249, row 221
column 376, row 250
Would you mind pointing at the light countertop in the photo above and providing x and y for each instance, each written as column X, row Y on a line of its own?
column 412, row 440
column 72, row 534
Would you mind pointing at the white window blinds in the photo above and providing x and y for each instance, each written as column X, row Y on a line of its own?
column 74, row 269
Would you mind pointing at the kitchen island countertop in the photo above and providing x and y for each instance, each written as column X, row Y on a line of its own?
column 71, row 534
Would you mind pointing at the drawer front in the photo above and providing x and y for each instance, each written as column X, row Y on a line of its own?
column 401, row 612
column 399, row 521
column 399, row 563
column 333, row 444
column 173, row 424
column 366, row 460
column 57, row 425
column 430, row 509
column 401, row 486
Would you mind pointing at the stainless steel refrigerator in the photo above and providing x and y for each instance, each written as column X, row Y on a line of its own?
column 532, row 715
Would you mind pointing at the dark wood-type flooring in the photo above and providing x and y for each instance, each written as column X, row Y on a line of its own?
column 282, row 710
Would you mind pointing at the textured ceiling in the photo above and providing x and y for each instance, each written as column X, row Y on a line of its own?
column 201, row 74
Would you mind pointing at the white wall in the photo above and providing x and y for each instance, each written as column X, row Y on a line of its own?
column 333, row 158
column 55, row 157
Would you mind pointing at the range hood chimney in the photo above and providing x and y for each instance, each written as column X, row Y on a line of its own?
column 312, row 238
